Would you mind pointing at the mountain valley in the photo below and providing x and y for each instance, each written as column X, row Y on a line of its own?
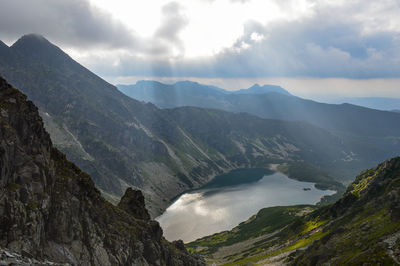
column 122, row 142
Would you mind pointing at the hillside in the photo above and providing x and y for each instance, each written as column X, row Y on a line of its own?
column 51, row 210
column 361, row 227
column 122, row 142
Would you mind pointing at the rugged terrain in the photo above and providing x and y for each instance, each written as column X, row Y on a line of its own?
column 124, row 143
column 51, row 211
column 361, row 228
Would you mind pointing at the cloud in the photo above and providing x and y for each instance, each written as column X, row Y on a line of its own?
column 74, row 23
column 173, row 22
column 352, row 39
column 335, row 42
column 240, row 1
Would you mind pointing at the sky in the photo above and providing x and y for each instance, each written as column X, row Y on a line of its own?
column 311, row 47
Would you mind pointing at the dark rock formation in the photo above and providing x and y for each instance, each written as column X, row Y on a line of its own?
column 133, row 203
column 9, row 258
column 51, row 210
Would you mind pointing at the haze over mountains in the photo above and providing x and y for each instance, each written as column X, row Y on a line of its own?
column 373, row 127
column 275, row 104
column 122, row 142
column 380, row 103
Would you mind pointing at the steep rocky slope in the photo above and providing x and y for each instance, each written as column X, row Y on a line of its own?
column 51, row 210
column 122, row 142
column 361, row 228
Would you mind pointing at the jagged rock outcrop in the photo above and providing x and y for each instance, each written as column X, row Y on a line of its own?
column 133, row 203
column 51, row 210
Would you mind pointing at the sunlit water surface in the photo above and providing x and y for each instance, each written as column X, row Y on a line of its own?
column 208, row 211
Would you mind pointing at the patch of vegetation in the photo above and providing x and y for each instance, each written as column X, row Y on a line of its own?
column 265, row 222
column 362, row 182
column 305, row 172
column 11, row 187
column 302, row 171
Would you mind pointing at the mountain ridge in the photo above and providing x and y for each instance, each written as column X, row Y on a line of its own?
column 266, row 88
column 379, row 103
column 342, row 119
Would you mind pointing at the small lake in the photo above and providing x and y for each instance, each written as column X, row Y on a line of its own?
column 214, row 209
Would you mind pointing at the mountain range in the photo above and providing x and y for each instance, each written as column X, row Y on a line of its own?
column 344, row 119
column 188, row 93
column 122, row 142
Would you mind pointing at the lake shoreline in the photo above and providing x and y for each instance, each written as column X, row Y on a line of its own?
column 212, row 209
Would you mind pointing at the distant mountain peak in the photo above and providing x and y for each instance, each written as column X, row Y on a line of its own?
column 187, row 82
column 256, row 85
column 145, row 81
column 257, row 89
column 34, row 36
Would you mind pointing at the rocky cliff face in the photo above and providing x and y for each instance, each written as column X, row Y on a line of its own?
column 50, row 209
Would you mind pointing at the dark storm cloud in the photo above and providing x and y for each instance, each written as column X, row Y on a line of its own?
column 73, row 23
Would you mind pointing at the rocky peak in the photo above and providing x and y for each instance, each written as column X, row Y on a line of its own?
column 133, row 203
column 35, row 48
column 31, row 40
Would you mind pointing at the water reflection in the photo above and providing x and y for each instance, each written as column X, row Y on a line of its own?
column 204, row 212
